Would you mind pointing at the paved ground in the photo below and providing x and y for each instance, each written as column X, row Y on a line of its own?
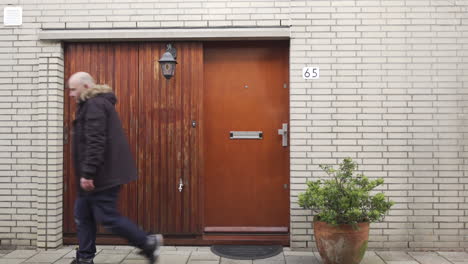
column 203, row 255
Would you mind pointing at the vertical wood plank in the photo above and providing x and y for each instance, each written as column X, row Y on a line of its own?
column 69, row 64
column 98, row 59
column 194, row 205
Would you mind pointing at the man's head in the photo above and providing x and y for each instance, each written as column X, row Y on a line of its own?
column 79, row 82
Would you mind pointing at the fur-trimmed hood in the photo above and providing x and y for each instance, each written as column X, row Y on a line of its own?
column 97, row 90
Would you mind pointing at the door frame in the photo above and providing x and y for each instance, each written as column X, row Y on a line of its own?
column 203, row 239
column 248, row 236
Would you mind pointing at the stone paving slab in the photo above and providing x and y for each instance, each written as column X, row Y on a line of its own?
column 117, row 251
column 395, row 256
column 203, row 255
column 429, row 258
column 109, row 258
column 204, row 262
column 11, row 261
column 173, row 259
column 168, row 248
column 302, row 260
column 124, row 247
column 257, row 261
column 133, row 261
column 276, row 258
column 204, row 249
column 42, row 257
column 3, row 252
column 187, row 248
column 105, row 247
column 298, row 253
column 63, row 261
column 135, row 256
column 235, row 261
column 371, row 258
column 456, row 257
column 20, row 254
column 403, row 262
column 63, row 251
column 70, row 254
column 177, row 253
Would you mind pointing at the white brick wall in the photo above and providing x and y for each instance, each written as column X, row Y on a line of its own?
column 392, row 95
column 18, row 140
column 50, row 159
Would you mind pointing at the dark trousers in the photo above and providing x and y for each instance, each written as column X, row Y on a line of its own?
column 101, row 207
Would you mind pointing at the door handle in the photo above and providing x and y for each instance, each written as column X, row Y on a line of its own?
column 181, row 185
column 284, row 133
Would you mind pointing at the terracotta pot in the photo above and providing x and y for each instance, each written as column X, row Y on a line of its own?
column 341, row 244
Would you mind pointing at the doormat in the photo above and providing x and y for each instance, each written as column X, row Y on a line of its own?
column 246, row 251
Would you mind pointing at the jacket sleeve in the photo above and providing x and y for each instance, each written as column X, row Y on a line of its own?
column 95, row 137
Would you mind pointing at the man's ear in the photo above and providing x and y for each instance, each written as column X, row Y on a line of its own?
column 86, row 86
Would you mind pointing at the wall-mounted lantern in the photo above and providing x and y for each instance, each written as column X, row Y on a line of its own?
column 168, row 61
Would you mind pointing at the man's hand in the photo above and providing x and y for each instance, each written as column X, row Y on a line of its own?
column 87, row 185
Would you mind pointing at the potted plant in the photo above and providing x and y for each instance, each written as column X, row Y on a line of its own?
column 344, row 207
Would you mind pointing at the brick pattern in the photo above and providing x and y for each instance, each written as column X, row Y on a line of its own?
column 79, row 14
column 392, row 95
column 18, row 136
column 50, row 159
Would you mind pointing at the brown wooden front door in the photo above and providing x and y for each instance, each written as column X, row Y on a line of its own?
column 157, row 117
column 245, row 181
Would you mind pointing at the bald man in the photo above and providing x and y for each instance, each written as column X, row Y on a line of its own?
column 103, row 162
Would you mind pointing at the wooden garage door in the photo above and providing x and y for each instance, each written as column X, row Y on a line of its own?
column 157, row 117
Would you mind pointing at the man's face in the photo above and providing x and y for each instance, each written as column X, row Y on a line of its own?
column 76, row 88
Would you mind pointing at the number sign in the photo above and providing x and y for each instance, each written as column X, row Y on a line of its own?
column 310, row 73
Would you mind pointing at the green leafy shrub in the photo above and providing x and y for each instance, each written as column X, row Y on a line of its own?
column 345, row 198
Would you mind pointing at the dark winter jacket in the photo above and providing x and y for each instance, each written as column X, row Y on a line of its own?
column 100, row 148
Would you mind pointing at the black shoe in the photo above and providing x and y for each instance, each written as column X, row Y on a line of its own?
column 152, row 248
column 82, row 261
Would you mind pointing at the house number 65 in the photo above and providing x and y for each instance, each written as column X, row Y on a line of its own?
column 309, row 73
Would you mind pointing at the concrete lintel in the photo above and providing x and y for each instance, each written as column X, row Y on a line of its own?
column 166, row 34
